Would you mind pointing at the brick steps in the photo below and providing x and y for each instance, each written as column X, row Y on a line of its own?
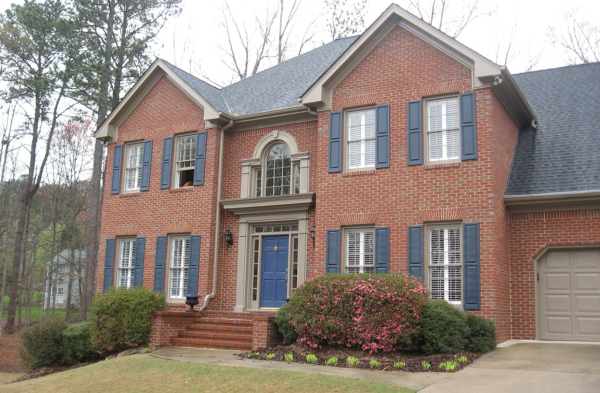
column 217, row 330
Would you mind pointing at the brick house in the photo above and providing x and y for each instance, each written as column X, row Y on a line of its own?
column 399, row 150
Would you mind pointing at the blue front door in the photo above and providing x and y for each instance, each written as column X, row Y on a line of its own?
column 273, row 288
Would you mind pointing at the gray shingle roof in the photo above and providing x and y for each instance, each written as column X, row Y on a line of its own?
column 274, row 88
column 563, row 153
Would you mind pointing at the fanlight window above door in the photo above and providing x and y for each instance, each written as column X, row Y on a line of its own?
column 277, row 175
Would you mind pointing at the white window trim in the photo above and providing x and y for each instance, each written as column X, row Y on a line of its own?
column 444, row 132
column 362, row 252
column 129, row 270
column 127, row 168
column 176, row 159
column 446, row 265
column 171, row 268
column 347, row 140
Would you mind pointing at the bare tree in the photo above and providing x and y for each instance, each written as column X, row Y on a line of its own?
column 345, row 18
column 442, row 16
column 580, row 39
column 34, row 37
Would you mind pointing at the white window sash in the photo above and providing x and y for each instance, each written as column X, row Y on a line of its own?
column 448, row 147
column 186, row 159
column 361, row 147
column 360, row 260
column 126, row 263
column 451, row 271
column 179, row 259
column 135, row 154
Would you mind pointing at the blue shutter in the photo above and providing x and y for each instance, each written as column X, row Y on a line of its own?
column 192, row 288
column 382, row 136
column 116, row 173
column 382, row 250
column 138, row 266
column 333, row 251
column 471, row 286
column 335, row 141
column 468, row 127
column 109, row 259
column 165, row 170
column 200, row 158
column 146, row 164
column 415, row 133
column 159, row 263
column 415, row 251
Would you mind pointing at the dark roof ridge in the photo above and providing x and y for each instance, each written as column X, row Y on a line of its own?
column 558, row 68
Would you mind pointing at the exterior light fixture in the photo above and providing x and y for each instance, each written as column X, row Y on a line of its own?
column 312, row 234
column 228, row 238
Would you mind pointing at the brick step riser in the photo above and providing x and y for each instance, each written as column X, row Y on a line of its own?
column 217, row 336
column 222, row 321
column 220, row 328
column 216, row 344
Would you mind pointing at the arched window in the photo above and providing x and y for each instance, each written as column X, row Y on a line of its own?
column 278, row 175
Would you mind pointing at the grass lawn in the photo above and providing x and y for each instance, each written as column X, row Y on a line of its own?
column 35, row 313
column 8, row 377
column 143, row 373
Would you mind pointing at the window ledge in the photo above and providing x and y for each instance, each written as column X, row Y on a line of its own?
column 130, row 194
column 182, row 189
column 359, row 173
column 446, row 165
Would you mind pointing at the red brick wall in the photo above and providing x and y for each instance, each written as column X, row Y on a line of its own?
column 168, row 324
column 165, row 111
column 530, row 234
column 399, row 196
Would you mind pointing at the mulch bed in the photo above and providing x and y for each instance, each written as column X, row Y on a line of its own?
column 9, row 353
column 413, row 359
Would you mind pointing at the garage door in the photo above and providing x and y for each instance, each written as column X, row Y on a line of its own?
column 569, row 295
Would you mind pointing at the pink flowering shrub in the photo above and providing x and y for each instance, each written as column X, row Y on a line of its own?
column 122, row 318
column 375, row 312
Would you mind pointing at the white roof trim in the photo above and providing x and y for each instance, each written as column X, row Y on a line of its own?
column 319, row 94
column 110, row 127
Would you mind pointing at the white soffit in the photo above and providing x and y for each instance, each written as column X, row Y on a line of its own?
column 110, row 127
column 319, row 94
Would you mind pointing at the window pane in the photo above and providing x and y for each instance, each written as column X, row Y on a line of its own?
column 359, row 251
column 135, row 155
column 445, row 272
column 361, row 139
column 180, row 258
column 443, row 133
column 278, row 179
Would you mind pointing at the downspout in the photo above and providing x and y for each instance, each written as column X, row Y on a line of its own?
column 218, row 217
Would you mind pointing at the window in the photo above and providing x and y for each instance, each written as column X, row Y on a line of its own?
column 185, row 161
column 361, row 139
column 278, row 175
column 133, row 169
column 443, row 136
column 126, row 263
column 179, row 259
column 445, row 263
column 359, row 248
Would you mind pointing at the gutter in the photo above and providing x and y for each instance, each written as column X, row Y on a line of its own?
column 218, row 218
column 575, row 196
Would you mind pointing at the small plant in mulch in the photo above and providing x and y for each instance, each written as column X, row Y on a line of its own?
column 332, row 361
column 352, row 361
column 310, row 358
column 426, row 365
column 374, row 364
column 448, row 366
column 399, row 365
column 289, row 357
column 251, row 354
column 462, row 359
column 269, row 356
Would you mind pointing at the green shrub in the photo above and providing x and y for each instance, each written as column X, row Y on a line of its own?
column 352, row 361
column 444, row 328
column 462, row 359
column 375, row 312
column 374, row 364
column 332, row 361
column 122, row 318
column 482, row 334
column 310, row 358
column 425, row 365
column 42, row 344
column 282, row 319
column 77, row 344
column 399, row 365
column 269, row 356
column 289, row 357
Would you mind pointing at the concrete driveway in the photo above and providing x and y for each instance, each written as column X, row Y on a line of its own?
column 528, row 367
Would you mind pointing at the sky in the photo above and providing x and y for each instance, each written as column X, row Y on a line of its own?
column 192, row 41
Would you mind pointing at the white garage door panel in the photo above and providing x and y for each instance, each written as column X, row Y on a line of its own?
column 569, row 295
